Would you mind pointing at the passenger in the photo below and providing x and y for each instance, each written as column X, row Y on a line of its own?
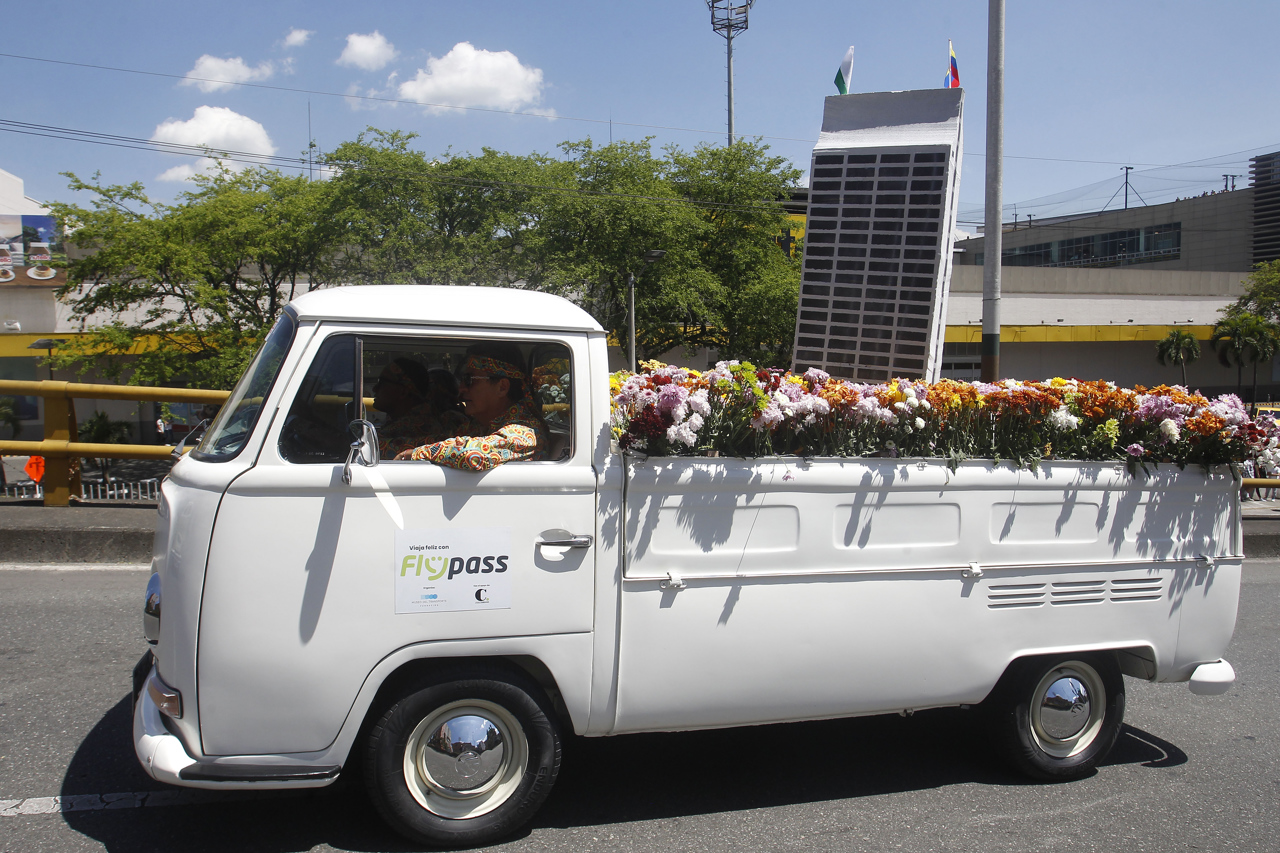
column 421, row 406
column 495, row 392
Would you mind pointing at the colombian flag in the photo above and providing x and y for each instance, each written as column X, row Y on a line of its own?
column 952, row 80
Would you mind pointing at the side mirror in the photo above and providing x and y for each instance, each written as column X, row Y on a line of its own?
column 364, row 450
column 176, row 453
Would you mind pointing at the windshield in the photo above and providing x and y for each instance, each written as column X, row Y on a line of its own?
column 234, row 423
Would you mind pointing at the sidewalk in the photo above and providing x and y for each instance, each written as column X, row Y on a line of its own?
column 30, row 533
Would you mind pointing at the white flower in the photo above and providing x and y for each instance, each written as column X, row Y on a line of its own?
column 913, row 402
column 1169, row 429
column 901, row 407
column 1062, row 418
column 919, row 423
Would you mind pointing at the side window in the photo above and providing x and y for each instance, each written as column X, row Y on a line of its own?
column 553, row 387
column 315, row 430
column 422, row 390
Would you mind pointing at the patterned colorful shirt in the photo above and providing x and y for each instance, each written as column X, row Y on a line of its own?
column 518, row 435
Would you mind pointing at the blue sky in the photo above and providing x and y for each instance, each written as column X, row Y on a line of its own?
column 1090, row 86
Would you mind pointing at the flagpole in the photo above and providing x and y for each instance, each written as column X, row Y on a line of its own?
column 993, row 243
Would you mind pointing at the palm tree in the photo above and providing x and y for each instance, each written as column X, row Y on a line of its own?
column 1263, row 345
column 100, row 429
column 1179, row 347
column 1245, row 339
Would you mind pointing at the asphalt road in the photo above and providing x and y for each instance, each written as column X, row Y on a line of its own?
column 1189, row 772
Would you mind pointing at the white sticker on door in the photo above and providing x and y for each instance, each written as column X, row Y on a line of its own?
column 453, row 569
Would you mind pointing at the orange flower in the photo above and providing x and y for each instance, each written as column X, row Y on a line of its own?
column 1205, row 423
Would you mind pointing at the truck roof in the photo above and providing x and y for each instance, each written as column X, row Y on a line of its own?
column 446, row 305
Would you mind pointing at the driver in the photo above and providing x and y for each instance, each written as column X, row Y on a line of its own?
column 507, row 426
column 421, row 406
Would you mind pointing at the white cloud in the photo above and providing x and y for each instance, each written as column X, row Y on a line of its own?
column 218, row 129
column 297, row 38
column 215, row 73
column 469, row 77
column 369, row 52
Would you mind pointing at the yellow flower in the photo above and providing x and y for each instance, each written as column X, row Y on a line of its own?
column 651, row 364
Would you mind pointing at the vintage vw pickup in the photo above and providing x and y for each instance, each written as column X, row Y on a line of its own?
column 315, row 608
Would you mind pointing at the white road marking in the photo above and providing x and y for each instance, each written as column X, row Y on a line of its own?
column 131, row 800
column 75, row 567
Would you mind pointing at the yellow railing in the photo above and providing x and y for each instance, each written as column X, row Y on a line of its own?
column 59, row 446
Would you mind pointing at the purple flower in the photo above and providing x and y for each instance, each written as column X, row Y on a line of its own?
column 1135, row 449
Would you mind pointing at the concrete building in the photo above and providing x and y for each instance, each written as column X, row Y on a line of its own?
column 1090, row 295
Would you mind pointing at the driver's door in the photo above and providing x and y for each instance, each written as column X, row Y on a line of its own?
column 307, row 589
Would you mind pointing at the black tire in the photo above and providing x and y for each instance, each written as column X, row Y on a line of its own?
column 427, row 791
column 1055, row 718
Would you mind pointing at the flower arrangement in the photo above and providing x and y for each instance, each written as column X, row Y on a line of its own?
column 737, row 409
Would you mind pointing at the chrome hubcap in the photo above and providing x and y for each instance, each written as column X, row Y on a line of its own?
column 1067, row 708
column 1064, row 711
column 465, row 759
column 463, row 753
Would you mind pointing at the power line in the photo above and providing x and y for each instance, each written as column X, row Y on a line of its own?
column 525, row 113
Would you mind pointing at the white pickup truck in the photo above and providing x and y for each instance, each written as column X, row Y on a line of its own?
column 314, row 606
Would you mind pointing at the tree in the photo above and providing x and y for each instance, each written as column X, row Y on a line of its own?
column 1242, row 339
column 1179, row 347
column 1262, row 293
column 613, row 204
column 187, row 291
column 737, row 192
column 100, row 429
column 454, row 219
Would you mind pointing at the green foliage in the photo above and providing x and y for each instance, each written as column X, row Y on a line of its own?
column 186, row 291
column 1243, row 338
column 738, row 190
column 1262, row 293
column 9, row 415
column 1179, row 347
column 100, row 429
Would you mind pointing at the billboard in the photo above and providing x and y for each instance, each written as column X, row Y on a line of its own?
column 31, row 251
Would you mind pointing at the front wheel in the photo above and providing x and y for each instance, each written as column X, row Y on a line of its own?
column 463, row 761
column 1056, row 718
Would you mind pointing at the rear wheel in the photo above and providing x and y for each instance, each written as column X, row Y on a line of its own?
column 1056, row 718
column 463, row 761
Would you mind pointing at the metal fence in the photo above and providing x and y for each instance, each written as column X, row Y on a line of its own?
column 140, row 491
column 59, row 446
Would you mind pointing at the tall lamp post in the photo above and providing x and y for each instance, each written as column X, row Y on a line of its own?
column 727, row 19
column 649, row 257
column 993, row 238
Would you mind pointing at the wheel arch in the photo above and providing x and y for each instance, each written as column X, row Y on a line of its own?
column 420, row 671
column 1136, row 660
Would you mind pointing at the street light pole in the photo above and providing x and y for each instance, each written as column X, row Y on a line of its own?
column 993, row 237
column 631, row 321
column 648, row 258
column 727, row 19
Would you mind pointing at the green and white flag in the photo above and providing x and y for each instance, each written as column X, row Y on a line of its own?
column 845, row 73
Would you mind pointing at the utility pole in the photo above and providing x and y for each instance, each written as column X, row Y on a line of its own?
column 993, row 238
column 1127, row 170
column 727, row 19
column 1229, row 179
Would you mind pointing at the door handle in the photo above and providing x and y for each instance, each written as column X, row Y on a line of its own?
column 571, row 542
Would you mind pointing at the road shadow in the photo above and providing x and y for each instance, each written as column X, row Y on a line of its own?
column 603, row 781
